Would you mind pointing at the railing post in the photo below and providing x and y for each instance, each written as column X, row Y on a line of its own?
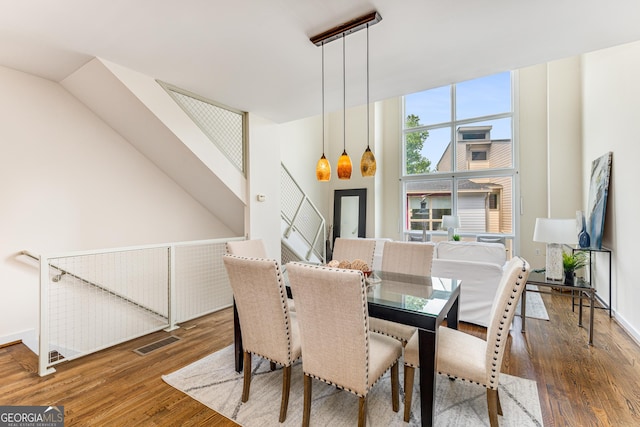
column 43, row 350
column 315, row 240
column 287, row 233
column 172, row 301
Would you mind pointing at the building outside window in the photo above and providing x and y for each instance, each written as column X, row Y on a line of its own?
column 458, row 159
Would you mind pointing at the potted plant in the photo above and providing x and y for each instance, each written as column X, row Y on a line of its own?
column 572, row 261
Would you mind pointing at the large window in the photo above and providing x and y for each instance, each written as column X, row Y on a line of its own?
column 458, row 159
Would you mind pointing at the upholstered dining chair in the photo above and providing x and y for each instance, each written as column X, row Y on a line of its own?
column 464, row 356
column 253, row 248
column 352, row 249
column 337, row 345
column 407, row 258
column 269, row 329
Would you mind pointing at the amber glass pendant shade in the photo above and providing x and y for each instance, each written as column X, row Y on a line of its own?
column 323, row 169
column 368, row 163
column 344, row 166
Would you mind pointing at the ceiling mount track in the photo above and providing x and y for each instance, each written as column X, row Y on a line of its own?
column 346, row 28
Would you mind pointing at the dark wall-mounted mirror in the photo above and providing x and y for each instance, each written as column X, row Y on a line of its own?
column 350, row 213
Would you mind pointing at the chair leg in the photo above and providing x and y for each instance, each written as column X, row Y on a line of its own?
column 306, row 411
column 362, row 411
column 499, row 405
column 395, row 387
column 286, row 386
column 492, row 404
column 247, row 376
column 409, row 372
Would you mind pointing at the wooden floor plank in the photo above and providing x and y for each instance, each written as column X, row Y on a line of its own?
column 578, row 384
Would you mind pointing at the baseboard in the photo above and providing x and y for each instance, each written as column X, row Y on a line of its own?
column 7, row 344
column 28, row 338
column 633, row 333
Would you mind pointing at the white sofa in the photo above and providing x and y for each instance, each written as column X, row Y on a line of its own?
column 479, row 266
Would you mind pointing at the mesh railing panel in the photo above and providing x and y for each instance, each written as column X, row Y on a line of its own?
column 97, row 300
column 288, row 255
column 308, row 221
column 202, row 283
column 291, row 195
column 222, row 126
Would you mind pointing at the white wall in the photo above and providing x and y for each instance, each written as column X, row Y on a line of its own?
column 531, row 126
column 550, row 144
column 389, row 115
column 264, row 178
column 69, row 182
column 300, row 149
column 564, row 137
column 356, row 143
column 611, row 89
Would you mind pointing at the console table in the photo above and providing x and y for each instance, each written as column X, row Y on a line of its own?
column 580, row 290
column 591, row 252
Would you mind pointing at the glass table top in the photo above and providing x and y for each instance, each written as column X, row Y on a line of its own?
column 419, row 294
column 423, row 295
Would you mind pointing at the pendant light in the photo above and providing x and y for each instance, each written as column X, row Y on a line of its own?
column 323, row 168
column 344, row 162
column 368, row 161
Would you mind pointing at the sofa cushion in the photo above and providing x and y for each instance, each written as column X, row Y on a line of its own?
column 472, row 251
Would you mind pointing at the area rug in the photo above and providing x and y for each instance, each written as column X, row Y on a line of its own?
column 535, row 305
column 213, row 382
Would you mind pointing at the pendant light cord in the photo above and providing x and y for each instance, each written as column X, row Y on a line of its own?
column 322, row 99
column 367, row 85
column 344, row 98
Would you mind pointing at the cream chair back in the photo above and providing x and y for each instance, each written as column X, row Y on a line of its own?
column 408, row 257
column 468, row 357
column 352, row 249
column 333, row 318
column 261, row 300
column 338, row 348
column 514, row 280
column 268, row 329
column 247, row 248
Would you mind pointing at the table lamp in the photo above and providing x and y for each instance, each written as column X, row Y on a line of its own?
column 555, row 232
column 450, row 222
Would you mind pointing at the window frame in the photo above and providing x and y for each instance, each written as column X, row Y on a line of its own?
column 457, row 175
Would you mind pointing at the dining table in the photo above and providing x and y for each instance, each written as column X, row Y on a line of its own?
column 420, row 301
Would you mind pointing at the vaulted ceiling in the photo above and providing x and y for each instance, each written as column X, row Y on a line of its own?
column 255, row 55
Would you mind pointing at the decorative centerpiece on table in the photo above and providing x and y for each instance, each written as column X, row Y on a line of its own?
column 356, row 264
column 572, row 262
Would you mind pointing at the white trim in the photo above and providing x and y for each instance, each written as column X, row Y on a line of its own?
column 27, row 337
column 633, row 333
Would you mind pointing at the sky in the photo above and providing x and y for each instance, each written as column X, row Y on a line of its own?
column 474, row 98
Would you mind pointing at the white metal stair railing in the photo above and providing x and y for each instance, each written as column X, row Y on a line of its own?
column 303, row 227
column 96, row 299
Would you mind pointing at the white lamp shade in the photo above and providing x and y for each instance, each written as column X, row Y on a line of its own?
column 551, row 230
column 450, row 221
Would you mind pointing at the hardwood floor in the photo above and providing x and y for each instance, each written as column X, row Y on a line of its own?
column 578, row 385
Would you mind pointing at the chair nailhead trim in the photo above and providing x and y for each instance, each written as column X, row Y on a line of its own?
column 363, row 295
column 285, row 310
